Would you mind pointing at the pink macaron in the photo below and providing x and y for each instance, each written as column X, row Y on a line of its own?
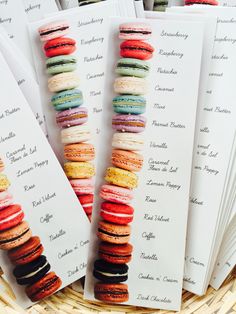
column 116, row 194
column 83, row 186
column 53, row 30
column 6, row 199
column 72, row 117
column 135, row 31
column 129, row 123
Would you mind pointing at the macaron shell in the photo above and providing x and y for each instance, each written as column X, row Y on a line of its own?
column 75, row 134
column 4, row 182
column 72, row 117
column 129, row 104
column 117, row 234
column 79, row 170
column 27, row 252
column 43, row 288
column 53, row 30
column 130, row 85
column 128, row 141
column 10, row 217
column 63, row 81
column 6, row 199
column 79, row 152
column 111, row 293
column 135, row 31
column 136, row 49
column 59, row 46
column 82, row 186
column 16, row 236
column 116, row 254
column 116, row 194
column 117, row 213
column 127, row 160
column 129, row 123
column 121, row 177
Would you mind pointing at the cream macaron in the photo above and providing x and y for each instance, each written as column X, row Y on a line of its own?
column 130, row 85
column 128, row 141
column 75, row 134
column 63, row 81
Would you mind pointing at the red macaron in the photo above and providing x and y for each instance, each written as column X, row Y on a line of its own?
column 115, row 253
column 26, row 253
column 59, row 46
column 86, row 202
column 120, row 214
column 136, row 49
column 10, row 217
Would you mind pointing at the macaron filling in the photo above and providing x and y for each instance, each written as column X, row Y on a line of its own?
column 15, row 238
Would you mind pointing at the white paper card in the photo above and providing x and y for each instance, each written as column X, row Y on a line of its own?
column 161, row 200
column 37, row 9
column 38, row 183
column 89, row 27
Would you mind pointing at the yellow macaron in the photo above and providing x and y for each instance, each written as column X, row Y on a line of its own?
column 4, row 182
column 79, row 170
column 120, row 177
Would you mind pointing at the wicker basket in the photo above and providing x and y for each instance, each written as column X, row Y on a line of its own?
column 70, row 301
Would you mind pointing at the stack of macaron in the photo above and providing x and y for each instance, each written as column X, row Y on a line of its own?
column 24, row 250
column 115, row 251
column 71, row 117
column 205, row 2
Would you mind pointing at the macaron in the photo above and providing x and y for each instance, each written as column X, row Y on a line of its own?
column 60, row 64
column 53, row 30
column 132, row 67
column 79, row 152
column 112, row 233
column 128, row 123
column 110, row 273
column 16, row 236
column 75, row 134
column 67, row 99
column 111, row 293
column 43, row 288
column 120, row 214
column 116, row 194
column 86, row 2
column 59, row 46
column 10, row 217
column 6, row 199
column 2, row 166
column 207, row 2
column 130, row 85
column 86, row 202
column 4, row 182
column 114, row 253
column 72, row 117
column 160, row 5
column 136, row 49
column 83, row 186
column 63, row 81
column 79, row 170
column 127, row 160
column 26, row 253
column 135, row 31
column 30, row 273
column 121, row 177
column 129, row 104
column 128, row 141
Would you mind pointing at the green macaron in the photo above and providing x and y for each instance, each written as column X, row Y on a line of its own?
column 61, row 64
column 132, row 67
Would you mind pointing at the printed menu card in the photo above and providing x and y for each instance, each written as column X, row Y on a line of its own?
column 43, row 229
column 212, row 155
column 88, row 28
column 148, row 270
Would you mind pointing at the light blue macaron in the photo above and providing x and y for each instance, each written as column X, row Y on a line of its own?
column 61, row 64
column 132, row 67
column 129, row 104
column 67, row 99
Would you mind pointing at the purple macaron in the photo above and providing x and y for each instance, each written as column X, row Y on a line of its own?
column 72, row 117
column 129, row 123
